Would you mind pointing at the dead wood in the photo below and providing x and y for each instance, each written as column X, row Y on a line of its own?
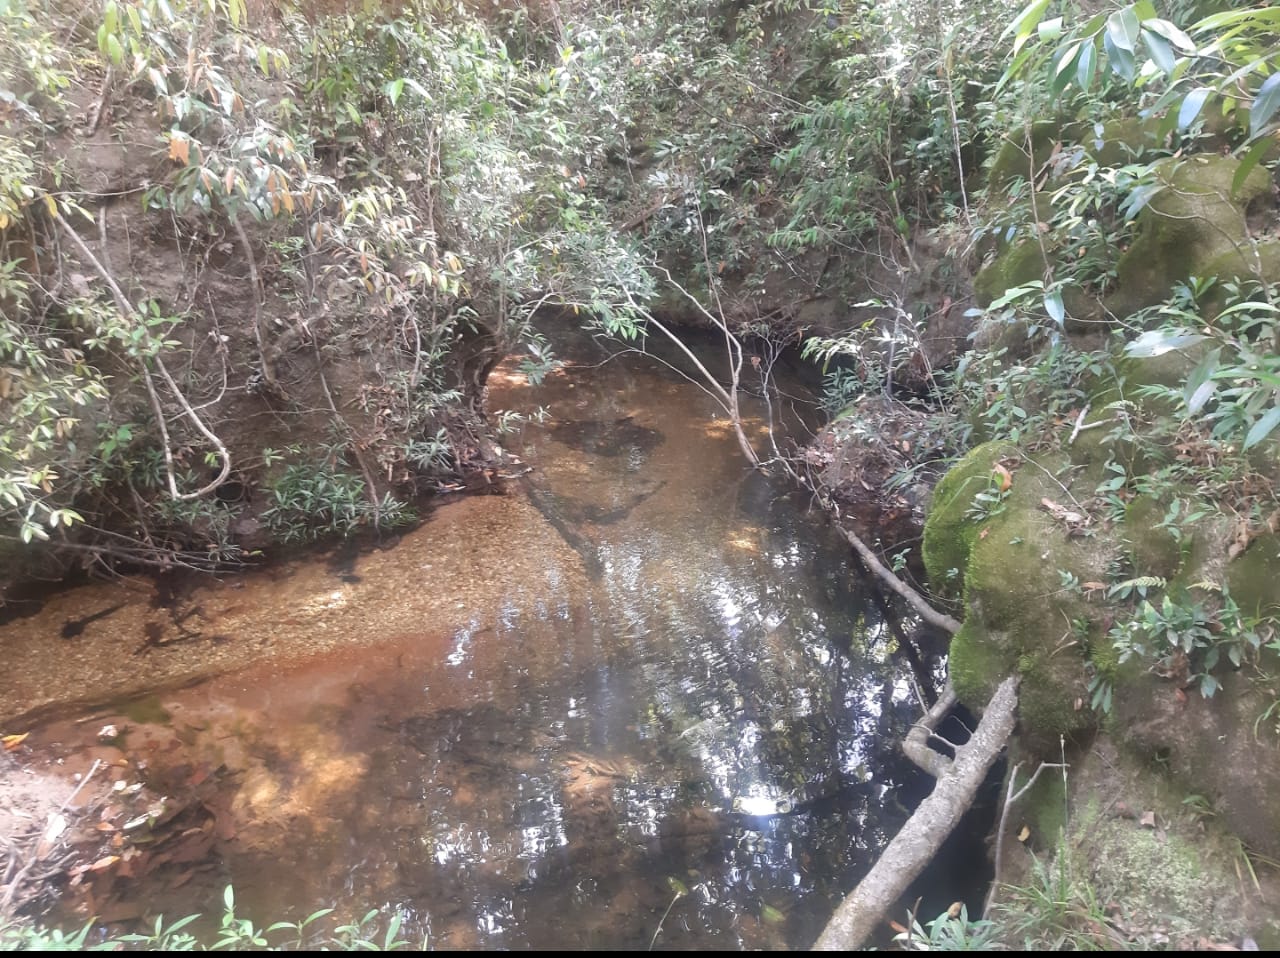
column 928, row 827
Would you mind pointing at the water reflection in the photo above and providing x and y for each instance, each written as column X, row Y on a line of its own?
column 702, row 726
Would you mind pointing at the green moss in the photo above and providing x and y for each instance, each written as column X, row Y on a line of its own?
column 948, row 531
column 1253, row 576
column 1046, row 809
column 1193, row 224
column 1153, row 549
column 1012, row 160
column 976, row 667
column 1020, row 263
column 1122, row 140
column 1158, row 874
column 1018, row 614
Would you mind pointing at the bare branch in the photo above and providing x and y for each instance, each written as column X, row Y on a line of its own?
column 126, row 308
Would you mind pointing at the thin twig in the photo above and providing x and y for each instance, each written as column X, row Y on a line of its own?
column 264, row 362
column 125, row 307
column 1010, row 798
column 657, row 931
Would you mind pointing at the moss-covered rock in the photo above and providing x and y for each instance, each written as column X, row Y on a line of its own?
column 1195, row 226
column 948, row 533
column 1019, row 564
column 1254, row 576
column 1153, row 549
column 1221, row 747
column 1020, row 263
column 1120, row 140
column 1017, row 159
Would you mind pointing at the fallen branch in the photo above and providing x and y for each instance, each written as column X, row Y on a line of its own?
column 916, row 745
column 928, row 827
column 914, row 598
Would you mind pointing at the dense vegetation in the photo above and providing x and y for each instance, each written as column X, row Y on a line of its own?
column 257, row 263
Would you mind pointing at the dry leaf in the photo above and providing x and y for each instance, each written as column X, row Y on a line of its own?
column 1024, row 834
column 1006, row 477
column 11, row 742
column 1241, row 536
column 179, row 149
column 1148, row 820
column 954, row 911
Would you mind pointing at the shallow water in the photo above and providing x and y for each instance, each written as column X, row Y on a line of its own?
column 639, row 699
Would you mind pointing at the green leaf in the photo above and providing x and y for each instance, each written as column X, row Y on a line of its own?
column 1160, row 51
column 1050, row 30
column 394, row 89
column 1053, row 306
column 1157, row 342
column 1121, row 60
column 1217, row 21
column 1262, row 428
column 1191, row 106
column 1144, row 10
column 1139, row 198
column 1123, row 29
column 114, row 50
column 1200, row 387
column 1247, row 163
column 1063, row 67
column 1087, row 65
column 1265, row 104
column 1171, row 33
column 1025, row 23
column 111, row 17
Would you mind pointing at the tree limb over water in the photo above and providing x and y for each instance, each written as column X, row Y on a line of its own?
column 928, row 827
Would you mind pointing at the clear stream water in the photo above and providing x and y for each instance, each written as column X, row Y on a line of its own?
column 641, row 698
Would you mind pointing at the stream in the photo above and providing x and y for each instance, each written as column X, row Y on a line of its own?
column 638, row 697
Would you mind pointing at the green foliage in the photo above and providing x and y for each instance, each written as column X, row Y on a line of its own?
column 1029, row 399
column 1188, row 629
column 950, row 932
column 1235, row 389
column 233, row 934
column 1056, row 911
column 1228, row 59
column 310, row 502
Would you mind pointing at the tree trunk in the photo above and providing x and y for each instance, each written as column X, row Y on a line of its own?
column 925, row 831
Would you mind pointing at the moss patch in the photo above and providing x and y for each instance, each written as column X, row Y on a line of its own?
column 948, row 532
column 1153, row 549
column 1013, row 160
column 1196, row 223
column 1021, row 263
column 1254, row 576
column 1018, row 563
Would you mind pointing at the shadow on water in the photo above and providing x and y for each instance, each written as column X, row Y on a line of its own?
column 680, row 732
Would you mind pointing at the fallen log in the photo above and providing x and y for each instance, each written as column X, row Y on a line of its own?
column 920, row 838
